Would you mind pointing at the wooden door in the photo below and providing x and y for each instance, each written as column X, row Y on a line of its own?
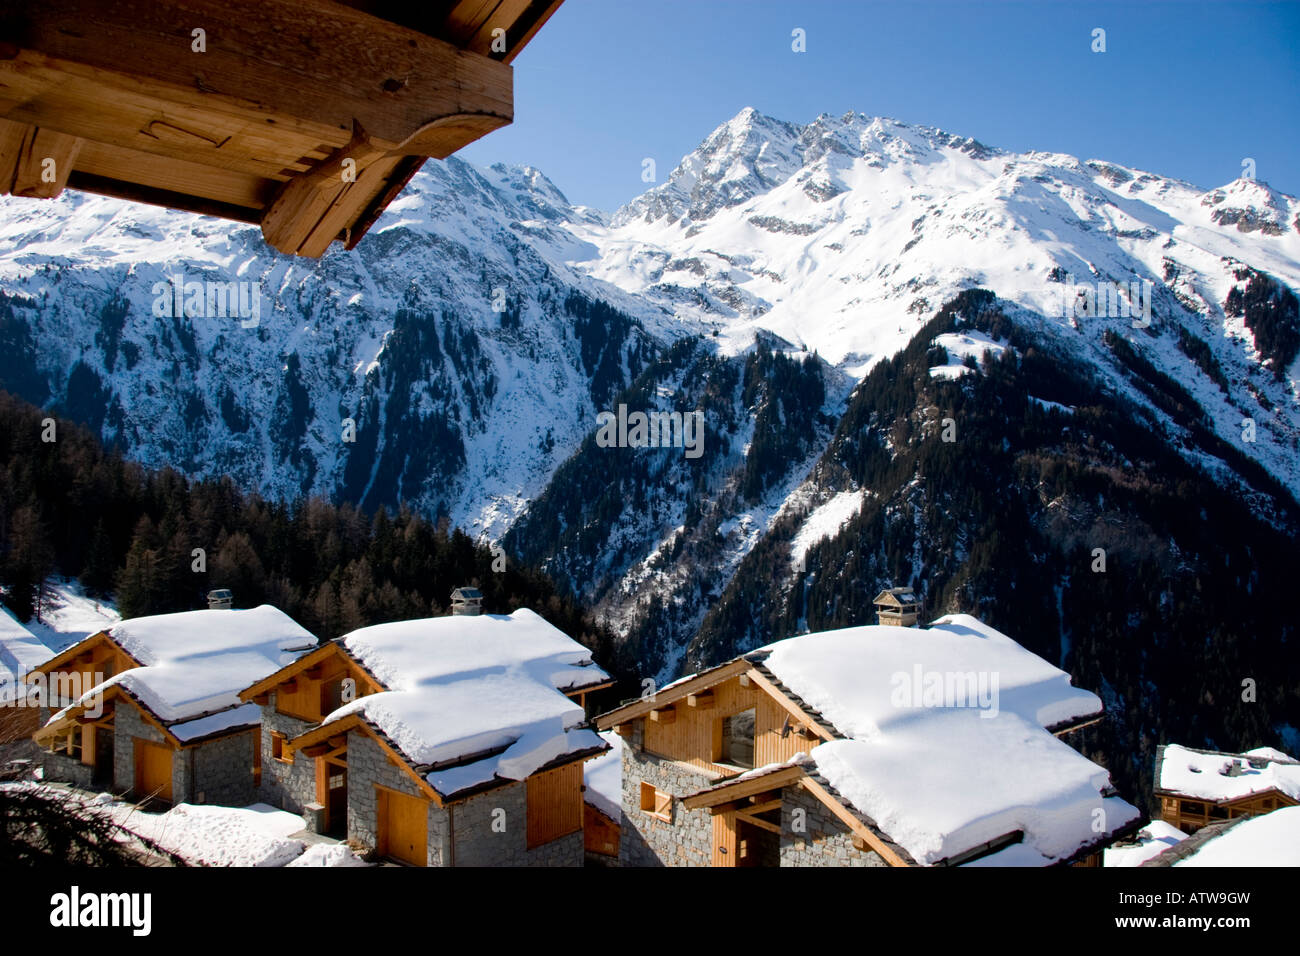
column 724, row 839
column 403, row 826
column 153, row 770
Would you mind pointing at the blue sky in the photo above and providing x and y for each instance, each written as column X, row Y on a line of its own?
column 1184, row 89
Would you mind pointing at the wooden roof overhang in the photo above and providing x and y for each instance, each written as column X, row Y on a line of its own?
column 76, row 715
column 306, row 117
column 750, row 668
column 84, row 648
column 331, row 738
column 313, row 660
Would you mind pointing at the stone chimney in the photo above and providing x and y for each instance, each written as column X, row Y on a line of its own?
column 220, row 600
column 466, row 601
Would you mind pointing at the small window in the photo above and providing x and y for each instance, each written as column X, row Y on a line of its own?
column 656, row 802
column 738, row 739
column 1193, row 806
column 280, row 749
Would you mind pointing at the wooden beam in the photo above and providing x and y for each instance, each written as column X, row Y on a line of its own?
column 859, row 828
column 664, row 715
column 623, row 730
column 794, row 709
column 756, row 822
column 35, row 163
column 267, row 59
column 728, row 792
column 702, row 701
column 639, row 708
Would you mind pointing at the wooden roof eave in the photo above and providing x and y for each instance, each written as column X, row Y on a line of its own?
column 112, row 694
column 729, row 790
column 309, row 660
column 85, row 645
column 285, row 91
column 699, row 682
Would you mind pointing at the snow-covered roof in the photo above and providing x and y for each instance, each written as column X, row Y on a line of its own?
column 941, row 774
column 1152, row 840
column 193, row 664
column 462, row 686
column 603, row 778
column 20, row 651
column 1218, row 777
column 1270, row 839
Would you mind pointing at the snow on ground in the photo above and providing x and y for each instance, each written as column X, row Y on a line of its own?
column 328, row 854
column 209, row 835
column 1153, row 839
column 1272, row 839
column 1218, row 776
column 959, row 345
column 70, row 617
column 604, row 778
column 824, row 521
column 20, row 651
column 464, row 684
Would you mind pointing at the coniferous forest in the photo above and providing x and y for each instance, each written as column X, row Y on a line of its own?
column 156, row 542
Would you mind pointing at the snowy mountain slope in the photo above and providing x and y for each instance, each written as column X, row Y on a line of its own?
column 477, row 331
column 496, row 381
column 846, row 234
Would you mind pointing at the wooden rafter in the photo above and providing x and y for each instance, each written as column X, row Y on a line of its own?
column 306, row 116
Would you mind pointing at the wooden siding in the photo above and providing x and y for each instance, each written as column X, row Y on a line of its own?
column 554, row 804
column 724, row 839
column 307, row 699
column 600, row 833
column 153, row 770
column 1190, row 815
column 403, row 826
column 695, row 736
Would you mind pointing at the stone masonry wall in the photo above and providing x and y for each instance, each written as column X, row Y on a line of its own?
column 223, row 770
column 61, row 767
column 128, row 725
column 490, row 829
column 289, row 786
column 368, row 765
column 686, row 840
column 816, row 837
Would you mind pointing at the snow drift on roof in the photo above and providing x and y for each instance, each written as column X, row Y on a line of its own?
column 484, row 684
column 1271, row 839
column 604, row 778
column 1223, row 776
column 195, row 663
column 944, row 778
column 1152, row 840
column 851, row 675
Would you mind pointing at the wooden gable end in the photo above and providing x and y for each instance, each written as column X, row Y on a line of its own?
column 314, row 686
column 695, row 734
column 83, row 666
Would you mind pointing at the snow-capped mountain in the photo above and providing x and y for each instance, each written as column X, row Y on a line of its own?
column 474, row 336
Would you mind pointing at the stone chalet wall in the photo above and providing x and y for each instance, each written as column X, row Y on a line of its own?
column 61, row 767
column 289, row 786
column 810, row 834
column 477, row 841
column 217, row 771
column 817, row 837
column 223, row 769
column 128, row 725
column 646, row 840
